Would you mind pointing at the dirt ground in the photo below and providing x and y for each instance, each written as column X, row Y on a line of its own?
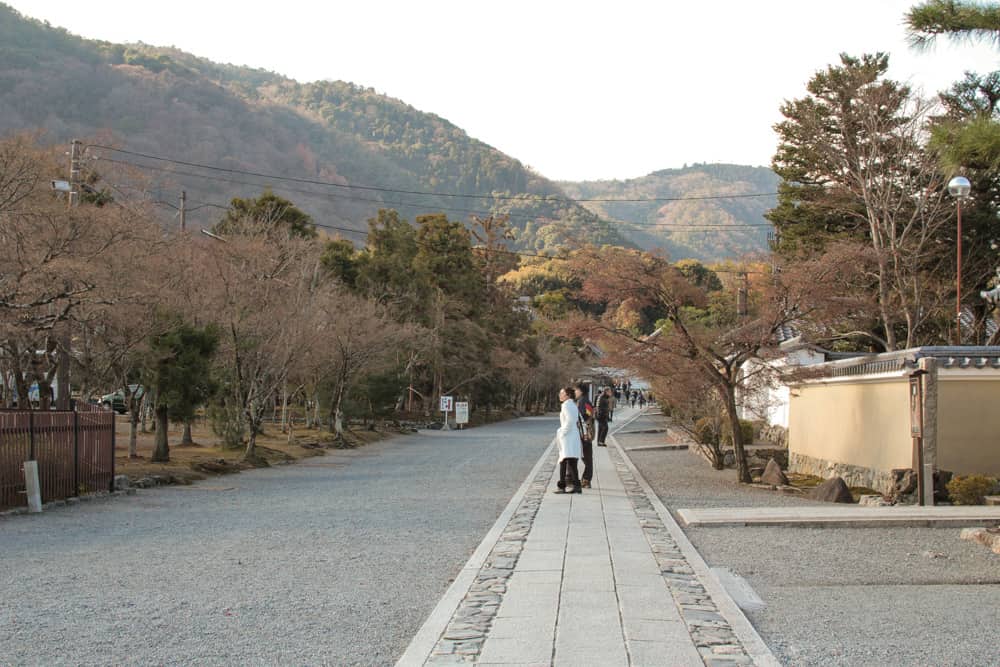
column 207, row 457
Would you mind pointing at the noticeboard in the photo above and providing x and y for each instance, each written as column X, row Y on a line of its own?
column 446, row 404
column 462, row 412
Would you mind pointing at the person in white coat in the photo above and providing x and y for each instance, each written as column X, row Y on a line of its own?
column 570, row 447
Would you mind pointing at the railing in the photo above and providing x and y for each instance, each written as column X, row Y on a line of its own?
column 74, row 451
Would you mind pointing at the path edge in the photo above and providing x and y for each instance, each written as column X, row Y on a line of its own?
column 740, row 624
column 427, row 636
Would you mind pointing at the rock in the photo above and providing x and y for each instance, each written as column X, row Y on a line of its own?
column 833, row 490
column 729, row 459
column 756, row 471
column 121, row 482
column 773, row 474
column 873, row 500
column 933, row 554
column 941, row 479
column 904, row 481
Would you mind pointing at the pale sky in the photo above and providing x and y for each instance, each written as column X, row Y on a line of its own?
column 577, row 90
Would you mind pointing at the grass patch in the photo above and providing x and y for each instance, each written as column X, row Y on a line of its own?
column 802, row 481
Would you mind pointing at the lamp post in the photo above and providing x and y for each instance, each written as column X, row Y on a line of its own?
column 959, row 188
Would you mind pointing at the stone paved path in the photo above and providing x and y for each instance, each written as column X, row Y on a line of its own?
column 601, row 578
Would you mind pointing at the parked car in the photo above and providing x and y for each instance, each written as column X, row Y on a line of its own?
column 116, row 400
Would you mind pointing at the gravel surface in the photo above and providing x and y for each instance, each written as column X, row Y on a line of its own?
column 336, row 560
column 842, row 596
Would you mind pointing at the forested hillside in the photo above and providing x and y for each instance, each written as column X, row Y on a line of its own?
column 352, row 148
column 714, row 218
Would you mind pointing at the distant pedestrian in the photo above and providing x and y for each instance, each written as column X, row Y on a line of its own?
column 570, row 447
column 586, row 411
column 632, row 398
column 603, row 416
column 642, row 400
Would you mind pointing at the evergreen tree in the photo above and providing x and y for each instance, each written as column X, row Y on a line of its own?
column 955, row 19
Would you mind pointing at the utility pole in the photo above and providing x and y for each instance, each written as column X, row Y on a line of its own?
column 62, row 370
column 183, row 210
column 742, row 294
column 75, row 149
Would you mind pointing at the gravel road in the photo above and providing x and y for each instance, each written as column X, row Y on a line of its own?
column 336, row 560
column 841, row 596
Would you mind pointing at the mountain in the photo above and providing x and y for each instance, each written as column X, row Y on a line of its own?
column 350, row 149
column 711, row 216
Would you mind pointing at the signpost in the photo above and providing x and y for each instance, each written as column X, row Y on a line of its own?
column 462, row 413
column 446, row 407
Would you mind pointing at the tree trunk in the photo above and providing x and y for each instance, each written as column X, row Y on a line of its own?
column 742, row 469
column 884, row 304
column 336, row 415
column 253, row 421
column 144, row 413
column 284, row 409
column 251, row 451
column 161, row 451
column 186, row 438
column 133, row 434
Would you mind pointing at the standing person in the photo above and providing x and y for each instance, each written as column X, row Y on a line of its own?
column 633, row 399
column 570, row 448
column 586, row 411
column 603, row 416
column 642, row 400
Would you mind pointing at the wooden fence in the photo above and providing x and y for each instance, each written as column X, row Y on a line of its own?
column 74, row 450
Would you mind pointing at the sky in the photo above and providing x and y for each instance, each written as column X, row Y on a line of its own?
column 577, row 90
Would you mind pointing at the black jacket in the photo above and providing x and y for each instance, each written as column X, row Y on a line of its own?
column 603, row 408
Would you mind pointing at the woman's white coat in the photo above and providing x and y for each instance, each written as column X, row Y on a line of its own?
column 568, row 434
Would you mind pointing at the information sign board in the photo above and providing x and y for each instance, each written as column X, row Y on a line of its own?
column 462, row 412
column 446, row 404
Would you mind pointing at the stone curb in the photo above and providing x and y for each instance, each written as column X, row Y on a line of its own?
column 721, row 632
column 466, row 633
column 456, row 629
column 72, row 500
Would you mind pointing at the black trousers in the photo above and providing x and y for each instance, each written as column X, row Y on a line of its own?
column 602, row 430
column 588, row 459
column 568, row 473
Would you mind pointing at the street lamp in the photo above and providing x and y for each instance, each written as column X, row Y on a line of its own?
column 959, row 188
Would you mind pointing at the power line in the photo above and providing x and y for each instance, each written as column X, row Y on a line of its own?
column 427, row 193
column 327, row 195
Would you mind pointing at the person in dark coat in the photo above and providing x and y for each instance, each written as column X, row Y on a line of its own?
column 586, row 411
column 603, row 416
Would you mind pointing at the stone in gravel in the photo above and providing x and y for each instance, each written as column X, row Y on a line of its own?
column 121, row 482
column 833, row 490
column 773, row 474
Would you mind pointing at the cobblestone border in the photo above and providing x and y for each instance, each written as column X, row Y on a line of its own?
column 463, row 639
column 714, row 638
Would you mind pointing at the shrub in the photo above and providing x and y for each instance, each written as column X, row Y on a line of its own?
column 227, row 423
column 970, row 489
column 746, row 430
column 706, row 429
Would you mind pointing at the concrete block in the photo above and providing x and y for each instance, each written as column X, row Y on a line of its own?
column 32, row 486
